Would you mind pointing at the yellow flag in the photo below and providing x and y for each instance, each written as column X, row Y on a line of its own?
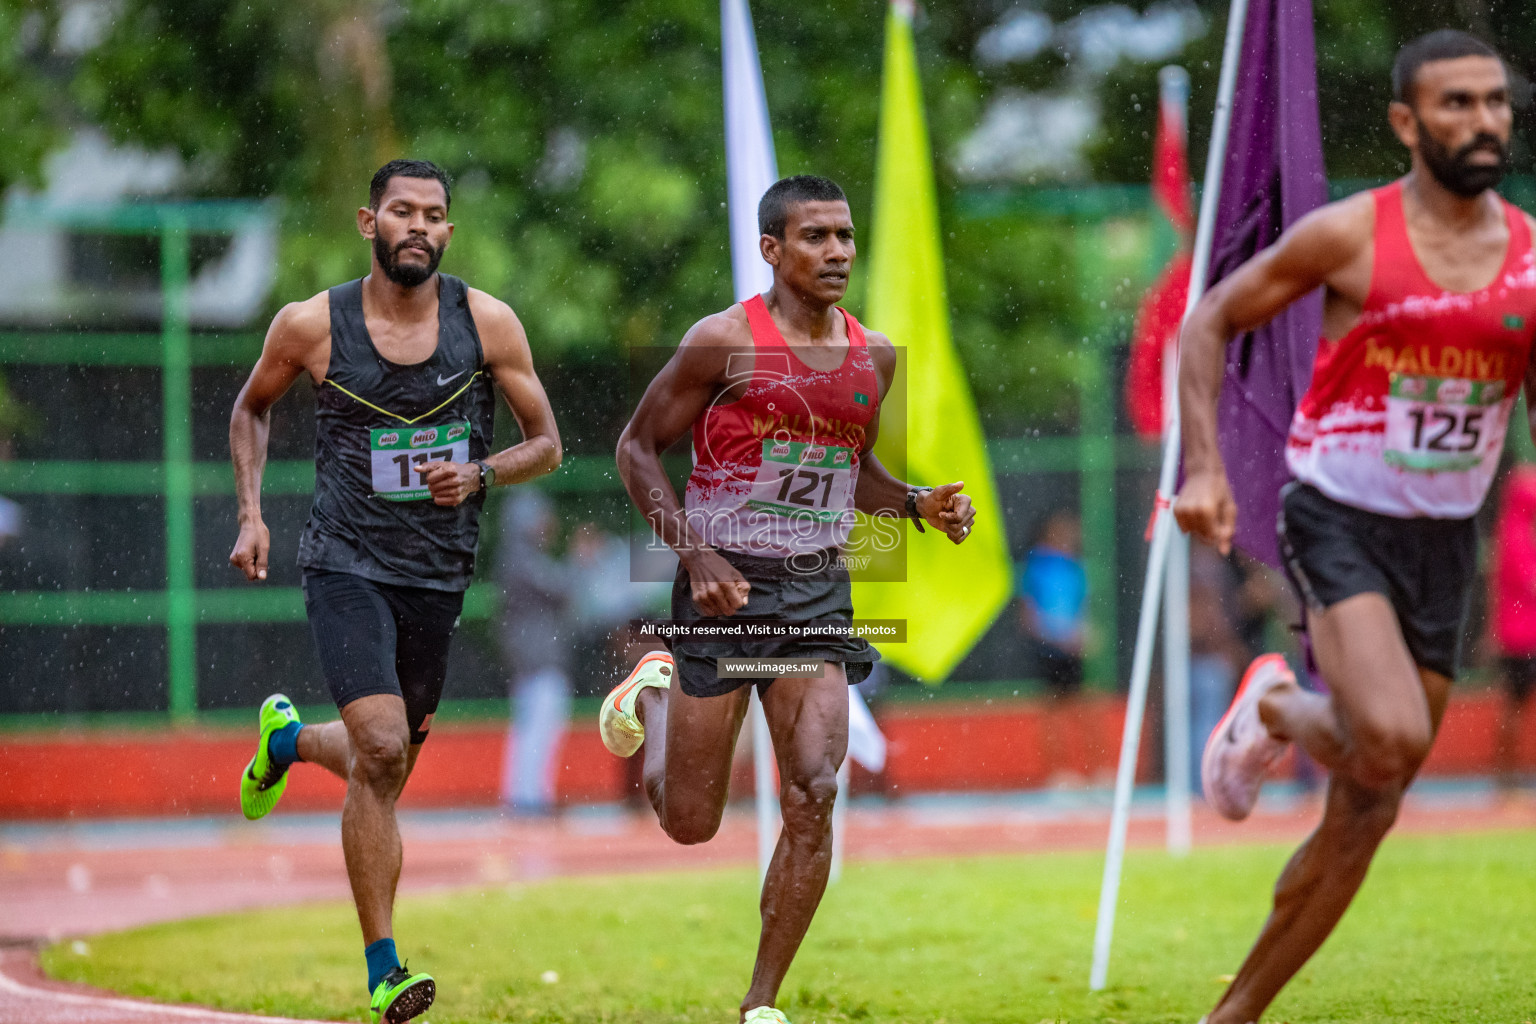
column 951, row 593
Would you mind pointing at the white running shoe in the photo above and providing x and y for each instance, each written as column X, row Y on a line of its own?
column 620, row 727
column 1241, row 751
column 764, row 1015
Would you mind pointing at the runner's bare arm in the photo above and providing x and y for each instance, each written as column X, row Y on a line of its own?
column 510, row 362
column 1316, row 251
column 878, row 492
column 298, row 340
column 678, row 396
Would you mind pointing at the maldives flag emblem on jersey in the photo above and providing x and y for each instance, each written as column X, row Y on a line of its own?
column 860, row 398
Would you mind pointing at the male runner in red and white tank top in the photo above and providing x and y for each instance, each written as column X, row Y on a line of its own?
column 1430, row 305
column 782, row 394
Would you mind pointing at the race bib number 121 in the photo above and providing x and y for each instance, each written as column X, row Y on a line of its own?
column 397, row 453
column 799, row 480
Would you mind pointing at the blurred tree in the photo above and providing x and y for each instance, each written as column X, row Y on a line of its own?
column 31, row 118
column 585, row 138
column 1356, row 43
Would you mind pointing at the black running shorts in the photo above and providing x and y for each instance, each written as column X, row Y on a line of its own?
column 381, row 638
column 806, row 588
column 1424, row 567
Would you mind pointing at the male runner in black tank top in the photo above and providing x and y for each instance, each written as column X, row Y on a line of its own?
column 403, row 363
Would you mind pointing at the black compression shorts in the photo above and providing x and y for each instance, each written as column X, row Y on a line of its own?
column 380, row 638
column 1424, row 567
column 806, row 588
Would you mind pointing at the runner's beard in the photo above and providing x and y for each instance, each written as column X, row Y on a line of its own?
column 404, row 275
column 1453, row 170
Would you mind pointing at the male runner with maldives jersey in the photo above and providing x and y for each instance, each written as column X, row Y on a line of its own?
column 782, row 394
column 1430, row 308
column 405, row 364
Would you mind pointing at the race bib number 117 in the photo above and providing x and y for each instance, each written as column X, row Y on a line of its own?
column 397, row 453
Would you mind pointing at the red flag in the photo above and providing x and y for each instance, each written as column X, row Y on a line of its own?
column 1162, row 308
column 1157, row 326
column 1170, row 164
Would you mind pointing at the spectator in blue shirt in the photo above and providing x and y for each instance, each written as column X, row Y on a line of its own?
column 1053, row 601
column 1053, row 594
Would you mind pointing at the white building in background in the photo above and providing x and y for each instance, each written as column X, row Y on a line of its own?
column 66, row 271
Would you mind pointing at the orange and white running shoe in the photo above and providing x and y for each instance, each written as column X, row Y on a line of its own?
column 1241, row 751
column 620, row 727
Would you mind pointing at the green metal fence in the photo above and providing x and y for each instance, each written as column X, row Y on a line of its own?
column 180, row 606
column 1095, row 454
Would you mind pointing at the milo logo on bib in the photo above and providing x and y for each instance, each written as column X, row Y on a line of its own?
column 422, row 438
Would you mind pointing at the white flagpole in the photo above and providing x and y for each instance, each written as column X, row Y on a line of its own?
column 840, row 818
column 1173, row 86
column 1163, row 525
column 750, row 167
column 765, row 794
column 750, row 164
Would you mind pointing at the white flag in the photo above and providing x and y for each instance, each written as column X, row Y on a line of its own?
column 750, row 166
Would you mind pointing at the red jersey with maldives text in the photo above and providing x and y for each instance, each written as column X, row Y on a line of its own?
column 774, row 471
column 1406, row 414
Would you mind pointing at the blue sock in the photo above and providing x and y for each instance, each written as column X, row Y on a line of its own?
column 283, row 745
column 382, row 959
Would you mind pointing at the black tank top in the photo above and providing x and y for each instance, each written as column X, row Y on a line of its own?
column 374, row 422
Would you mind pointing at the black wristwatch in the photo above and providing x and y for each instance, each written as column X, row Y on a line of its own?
column 912, row 495
column 487, row 473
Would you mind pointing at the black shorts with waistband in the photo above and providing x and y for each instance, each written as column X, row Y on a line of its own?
column 1423, row 567
column 377, row 638
column 812, row 587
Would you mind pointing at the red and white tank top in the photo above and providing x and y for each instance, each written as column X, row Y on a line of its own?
column 774, row 471
column 1406, row 414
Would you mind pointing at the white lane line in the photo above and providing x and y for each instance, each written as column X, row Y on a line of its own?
column 11, row 985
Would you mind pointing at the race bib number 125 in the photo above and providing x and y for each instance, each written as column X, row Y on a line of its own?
column 1443, row 424
column 397, row 453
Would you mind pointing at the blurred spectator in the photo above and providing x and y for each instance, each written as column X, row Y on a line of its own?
column 11, row 520
column 1217, row 654
column 1053, row 603
column 1512, row 605
column 1233, row 604
column 646, row 577
column 538, row 637
column 1053, row 594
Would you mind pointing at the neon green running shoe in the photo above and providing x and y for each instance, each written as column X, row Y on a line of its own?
column 401, row 996
column 621, row 728
column 765, row 1015
column 262, row 783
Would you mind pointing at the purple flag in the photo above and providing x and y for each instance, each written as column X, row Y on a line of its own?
column 1273, row 175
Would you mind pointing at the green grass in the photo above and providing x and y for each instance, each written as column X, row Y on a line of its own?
column 1443, row 932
